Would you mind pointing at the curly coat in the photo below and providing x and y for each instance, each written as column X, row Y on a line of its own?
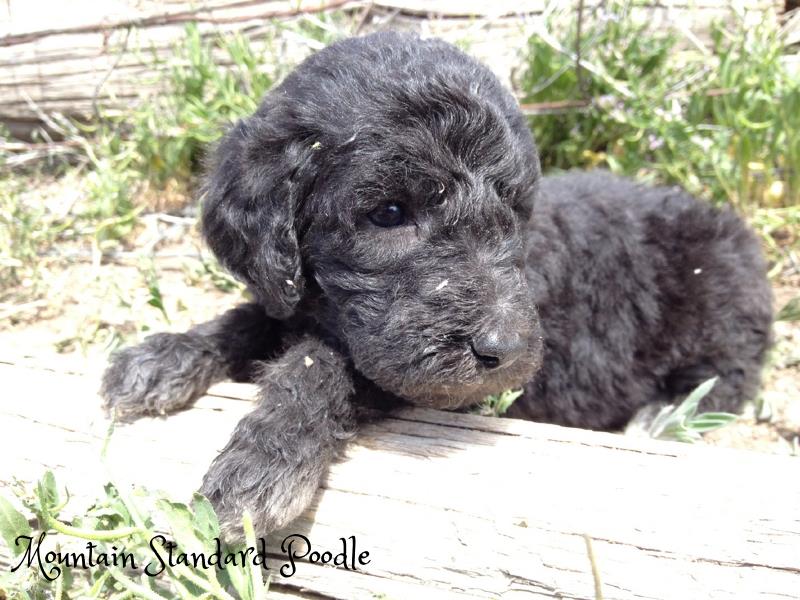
column 386, row 209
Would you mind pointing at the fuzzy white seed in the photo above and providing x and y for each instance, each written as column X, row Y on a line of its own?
column 698, row 271
column 442, row 285
column 308, row 361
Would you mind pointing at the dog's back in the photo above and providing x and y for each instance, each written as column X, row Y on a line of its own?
column 647, row 289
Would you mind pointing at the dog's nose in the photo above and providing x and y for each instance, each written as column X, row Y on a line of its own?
column 498, row 348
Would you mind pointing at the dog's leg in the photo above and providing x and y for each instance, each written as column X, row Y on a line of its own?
column 169, row 371
column 277, row 454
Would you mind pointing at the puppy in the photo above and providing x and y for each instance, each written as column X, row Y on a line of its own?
column 385, row 208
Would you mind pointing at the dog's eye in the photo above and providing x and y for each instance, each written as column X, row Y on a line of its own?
column 390, row 215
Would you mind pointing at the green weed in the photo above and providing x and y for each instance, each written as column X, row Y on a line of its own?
column 155, row 300
column 790, row 311
column 726, row 126
column 207, row 85
column 119, row 523
column 498, row 404
column 20, row 236
column 682, row 423
column 207, row 268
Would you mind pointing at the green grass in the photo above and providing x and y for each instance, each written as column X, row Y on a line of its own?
column 725, row 125
column 22, row 236
column 168, row 135
column 497, row 405
column 210, row 83
column 207, row 84
column 682, row 423
column 127, row 156
column 123, row 521
column 779, row 230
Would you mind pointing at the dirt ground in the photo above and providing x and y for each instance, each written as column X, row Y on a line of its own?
column 91, row 306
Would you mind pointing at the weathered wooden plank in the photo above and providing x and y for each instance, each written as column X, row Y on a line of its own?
column 453, row 505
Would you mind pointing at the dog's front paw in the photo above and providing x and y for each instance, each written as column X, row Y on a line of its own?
column 273, row 483
column 165, row 373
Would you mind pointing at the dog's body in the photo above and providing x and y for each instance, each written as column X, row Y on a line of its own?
column 643, row 294
column 378, row 205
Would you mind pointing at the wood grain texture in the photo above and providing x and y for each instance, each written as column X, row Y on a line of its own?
column 455, row 506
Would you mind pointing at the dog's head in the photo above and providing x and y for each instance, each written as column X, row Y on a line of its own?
column 385, row 187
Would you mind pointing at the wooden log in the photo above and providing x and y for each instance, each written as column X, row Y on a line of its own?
column 59, row 57
column 452, row 505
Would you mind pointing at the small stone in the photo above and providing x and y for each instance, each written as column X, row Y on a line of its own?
column 308, row 361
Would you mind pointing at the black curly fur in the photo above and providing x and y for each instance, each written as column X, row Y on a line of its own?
column 597, row 295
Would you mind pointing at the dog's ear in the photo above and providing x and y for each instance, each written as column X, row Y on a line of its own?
column 257, row 183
